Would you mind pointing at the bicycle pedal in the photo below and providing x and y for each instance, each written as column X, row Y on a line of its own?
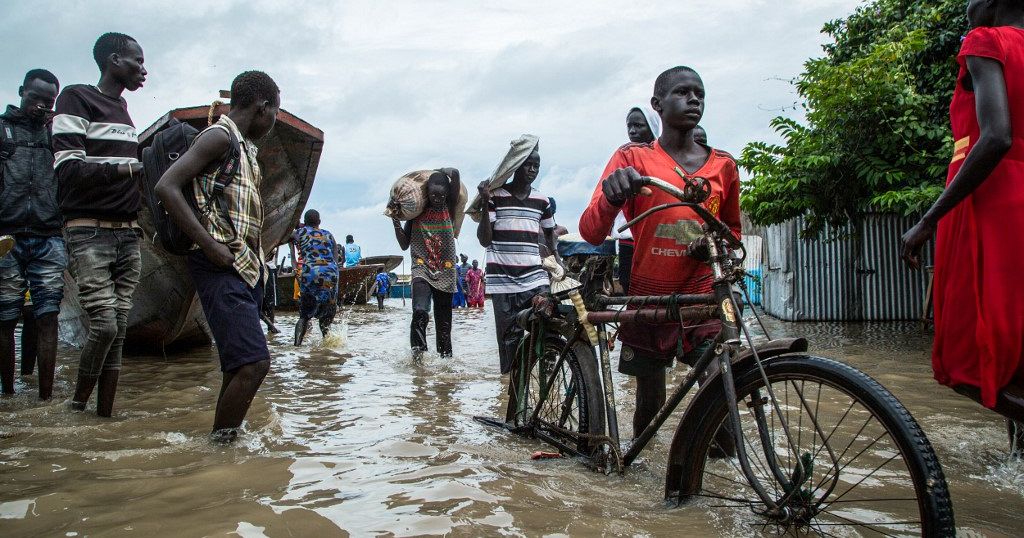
column 541, row 455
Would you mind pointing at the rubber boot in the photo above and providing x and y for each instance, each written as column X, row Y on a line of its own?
column 29, row 341
column 300, row 329
column 7, row 356
column 46, row 339
column 83, row 389
column 106, row 392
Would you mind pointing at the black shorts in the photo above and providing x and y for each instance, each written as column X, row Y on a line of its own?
column 232, row 310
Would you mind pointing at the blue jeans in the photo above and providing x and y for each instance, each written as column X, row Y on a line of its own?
column 106, row 265
column 35, row 264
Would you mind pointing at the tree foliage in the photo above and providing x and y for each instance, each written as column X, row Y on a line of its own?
column 876, row 110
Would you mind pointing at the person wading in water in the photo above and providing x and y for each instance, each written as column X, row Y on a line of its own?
column 430, row 237
column 978, row 219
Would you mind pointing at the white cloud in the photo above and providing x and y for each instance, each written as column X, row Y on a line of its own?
column 399, row 86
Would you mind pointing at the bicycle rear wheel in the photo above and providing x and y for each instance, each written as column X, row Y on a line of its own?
column 572, row 410
column 854, row 462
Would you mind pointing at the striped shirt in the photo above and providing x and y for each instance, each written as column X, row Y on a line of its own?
column 513, row 259
column 92, row 134
column 244, row 207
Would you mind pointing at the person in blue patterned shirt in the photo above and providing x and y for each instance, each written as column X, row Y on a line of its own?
column 318, row 282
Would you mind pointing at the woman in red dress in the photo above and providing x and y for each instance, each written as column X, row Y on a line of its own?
column 979, row 251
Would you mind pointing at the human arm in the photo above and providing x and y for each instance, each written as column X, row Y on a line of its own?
column 993, row 112
column 620, row 182
column 206, row 149
column 484, row 232
column 402, row 233
column 729, row 210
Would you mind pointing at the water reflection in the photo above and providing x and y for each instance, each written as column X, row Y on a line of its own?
column 348, row 436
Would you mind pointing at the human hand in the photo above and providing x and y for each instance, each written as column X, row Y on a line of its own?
column 484, row 190
column 621, row 185
column 913, row 240
column 219, row 254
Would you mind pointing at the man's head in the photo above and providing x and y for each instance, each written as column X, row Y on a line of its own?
column 475, row 264
column 120, row 57
column 700, row 136
column 38, row 92
column 349, row 239
column 255, row 93
column 993, row 12
column 637, row 128
column 679, row 98
column 464, row 258
column 527, row 172
column 437, row 190
column 312, row 218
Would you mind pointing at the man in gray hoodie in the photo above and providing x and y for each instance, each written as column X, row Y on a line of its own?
column 29, row 213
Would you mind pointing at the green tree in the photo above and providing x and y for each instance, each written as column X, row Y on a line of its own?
column 876, row 130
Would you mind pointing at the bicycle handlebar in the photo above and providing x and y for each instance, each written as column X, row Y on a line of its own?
column 696, row 191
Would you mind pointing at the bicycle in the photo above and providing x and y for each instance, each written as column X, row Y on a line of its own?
column 808, row 444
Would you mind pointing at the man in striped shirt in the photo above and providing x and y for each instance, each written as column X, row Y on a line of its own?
column 95, row 149
column 517, row 213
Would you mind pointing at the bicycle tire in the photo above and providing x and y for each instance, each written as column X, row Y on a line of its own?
column 587, row 415
column 709, row 411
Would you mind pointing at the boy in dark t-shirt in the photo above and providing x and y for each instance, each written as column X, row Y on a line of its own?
column 95, row 150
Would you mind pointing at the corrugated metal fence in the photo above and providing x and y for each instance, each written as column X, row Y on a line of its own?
column 858, row 277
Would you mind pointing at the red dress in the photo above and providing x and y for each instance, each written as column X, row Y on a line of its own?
column 979, row 252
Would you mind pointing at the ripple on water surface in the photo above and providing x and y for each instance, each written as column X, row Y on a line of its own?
column 349, row 436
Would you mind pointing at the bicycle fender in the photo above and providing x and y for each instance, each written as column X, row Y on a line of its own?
column 696, row 412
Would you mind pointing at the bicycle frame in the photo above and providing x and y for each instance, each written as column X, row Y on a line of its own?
column 721, row 304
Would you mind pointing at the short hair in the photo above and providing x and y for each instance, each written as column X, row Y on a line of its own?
column 311, row 218
column 252, row 87
column 662, row 82
column 439, row 178
column 43, row 75
column 110, row 43
column 349, row 239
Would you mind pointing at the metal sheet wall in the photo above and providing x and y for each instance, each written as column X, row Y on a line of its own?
column 858, row 277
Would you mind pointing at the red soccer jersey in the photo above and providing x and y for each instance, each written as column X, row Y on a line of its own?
column 660, row 264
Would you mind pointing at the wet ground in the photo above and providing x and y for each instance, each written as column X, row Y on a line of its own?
column 348, row 437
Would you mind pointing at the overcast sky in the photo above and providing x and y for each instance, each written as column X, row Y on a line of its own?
column 400, row 86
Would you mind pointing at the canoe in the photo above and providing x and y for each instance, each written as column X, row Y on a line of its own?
column 389, row 262
column 165, row 311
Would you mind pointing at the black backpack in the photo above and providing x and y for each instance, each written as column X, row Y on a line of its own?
column 168, row 145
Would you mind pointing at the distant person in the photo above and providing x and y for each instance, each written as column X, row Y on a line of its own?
column 381, row 287
column 29, row 214
column 227, row 266
column 475, row 286
column 516, row 214
column 270, row 294
column 95, row 149
column 318, row 282
column 979, row 300
column 353, row 253
column 643, row 126
column 459, row 299
column 700, row 136
column 430, row 238
column 649, row 349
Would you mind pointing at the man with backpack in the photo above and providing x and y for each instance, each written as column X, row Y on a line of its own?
column 95, row 149
column 30, row 216
column 227, row 263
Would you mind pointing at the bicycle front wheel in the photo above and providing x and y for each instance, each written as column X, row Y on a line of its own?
column 840, row 455
column 563, row 381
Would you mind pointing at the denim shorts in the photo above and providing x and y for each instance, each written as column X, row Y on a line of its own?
column 232, row 310
column 35, row 264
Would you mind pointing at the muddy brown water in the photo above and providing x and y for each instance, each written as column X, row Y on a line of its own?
column 348, row 437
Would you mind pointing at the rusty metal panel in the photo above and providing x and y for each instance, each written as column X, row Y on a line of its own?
column 857, row 277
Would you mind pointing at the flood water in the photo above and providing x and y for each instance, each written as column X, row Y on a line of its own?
column 349, row 437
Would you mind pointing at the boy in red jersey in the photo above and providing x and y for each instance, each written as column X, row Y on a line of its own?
column 660, row 264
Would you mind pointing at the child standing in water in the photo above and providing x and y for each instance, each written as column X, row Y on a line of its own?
column 381, row 287
column 431, row 240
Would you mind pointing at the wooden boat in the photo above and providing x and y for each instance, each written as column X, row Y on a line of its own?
column 165, row 310
column 389, row 262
